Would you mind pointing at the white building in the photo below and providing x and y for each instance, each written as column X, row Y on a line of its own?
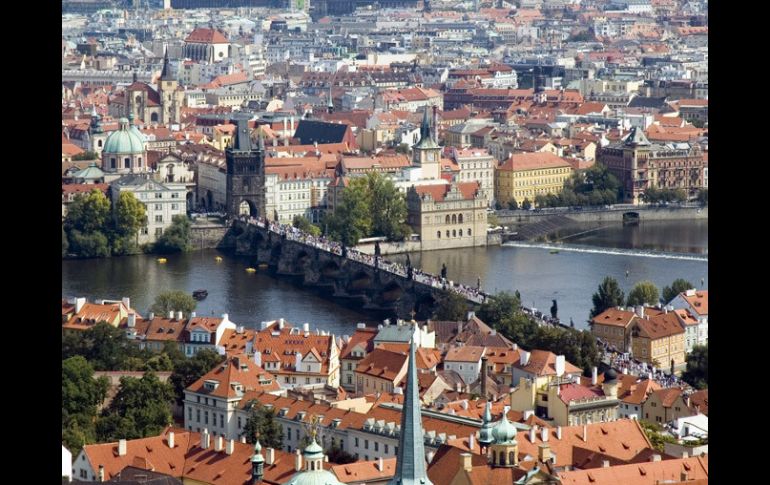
column 162, row 203
column 466, row 361
column 66, row 463
column 476, row 165
column 697, row 304
column 403, row 332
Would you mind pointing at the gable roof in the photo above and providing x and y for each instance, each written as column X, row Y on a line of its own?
column 311, row 131
column 533, row 161
column 650, row 473
column 235, row 370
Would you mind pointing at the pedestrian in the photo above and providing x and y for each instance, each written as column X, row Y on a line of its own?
column 478, row 283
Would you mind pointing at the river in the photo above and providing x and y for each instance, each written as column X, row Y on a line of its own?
column 658, row 251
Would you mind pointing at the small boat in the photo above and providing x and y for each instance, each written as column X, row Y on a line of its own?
column 162, row 260
column 554, row 251
column 263, row 266
column 251, row 270
column 218, row 259
column 200, row 294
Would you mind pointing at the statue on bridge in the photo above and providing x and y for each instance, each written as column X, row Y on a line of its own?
column 377, row 249
column 443, row 270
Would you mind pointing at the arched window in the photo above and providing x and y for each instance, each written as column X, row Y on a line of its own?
column 460, row 218
column 438, row 234
column 454, row 219
column 447, row 233
column 469, row 232
column 502, row 458
column 454, row 233
column 461, row 233
column 511, row 458
column 112, row 163
column 154, row 117
column 446, row 221
column 99, row 144
column 126, row 162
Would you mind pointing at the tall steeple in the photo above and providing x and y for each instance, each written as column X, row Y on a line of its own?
column 485, row 434
column 164, row 73
column 330, row 104
column 257, row 464
column 410, row 462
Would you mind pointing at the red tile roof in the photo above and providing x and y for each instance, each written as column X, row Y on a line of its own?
column 439, row 192
column 533, row 161
column 206, row 36
column 235, row 370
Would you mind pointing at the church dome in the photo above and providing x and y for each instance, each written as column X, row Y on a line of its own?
column 315, row 474
column 504, row 431
column 124, row 141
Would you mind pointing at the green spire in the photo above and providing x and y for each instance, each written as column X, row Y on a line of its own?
column 410, row 462
column 485, row 434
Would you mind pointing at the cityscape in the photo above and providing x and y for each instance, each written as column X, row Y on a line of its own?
column 390, row 242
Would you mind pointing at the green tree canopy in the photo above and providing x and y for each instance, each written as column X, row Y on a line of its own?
column 388, row 207
column 679, row 285
column 608, row 295
column 262, row 421
column 105, row 347
column 81, row 393
column 513, row 205
column 303, row 224
column 88, row 213
column 173, row 301
column 643, row 293
column 176, row 237
column 697, row 372
column 141, row 407
column 352, row 219
column 500, row 307
column 526, row 204
column 89, row 244
column 453, row 307
column 703, row 196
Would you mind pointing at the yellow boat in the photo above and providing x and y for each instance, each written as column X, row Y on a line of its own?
column 251, row 270
column 218, row 259
column 162, row 260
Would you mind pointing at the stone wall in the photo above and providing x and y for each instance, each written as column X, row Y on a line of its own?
column 209, row 236
column 522, row 217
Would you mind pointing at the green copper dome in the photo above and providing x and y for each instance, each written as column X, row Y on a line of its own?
column 504, row 432
column 315, row 474
column 125, row 141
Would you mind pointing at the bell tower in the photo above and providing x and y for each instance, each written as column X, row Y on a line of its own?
column 167, row 89
column 426, row 153
column 245, row 174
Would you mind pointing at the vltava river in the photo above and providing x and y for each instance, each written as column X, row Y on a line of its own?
column 656, row 251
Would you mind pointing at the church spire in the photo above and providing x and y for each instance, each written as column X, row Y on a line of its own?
column 425, row 126
column 410, row 462
column 164, row 72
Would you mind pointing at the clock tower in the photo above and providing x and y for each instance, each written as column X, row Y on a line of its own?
column 426, row 153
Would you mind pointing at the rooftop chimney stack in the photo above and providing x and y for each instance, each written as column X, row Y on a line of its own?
column 472, row 441
column 205, row 439
column 543, row 453
column 170, row 439
column 560, row 365
column 151, row 316
column 179, row 316
column 380, row 464
column 532, row 434
column 127, row 302
column 298, row 461
column 270, row 456
column 655, row 458
column 544, row 434
column 79, row 302
column 193, row 314
column 101, row 473
column 594, row 376
column 131, row 320
column 122, row 447
column 605, row 463
column 558, row 432
column 585, row 434
column 219, row 443
column 467, row 461
column 230, row 447
column 171, row 314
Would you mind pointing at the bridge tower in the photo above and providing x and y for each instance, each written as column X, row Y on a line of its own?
column 245, row 174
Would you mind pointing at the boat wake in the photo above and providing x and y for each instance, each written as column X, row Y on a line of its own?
column 613, row 252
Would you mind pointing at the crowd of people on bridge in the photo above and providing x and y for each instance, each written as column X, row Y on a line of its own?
column 407, row 271
column 624, row 363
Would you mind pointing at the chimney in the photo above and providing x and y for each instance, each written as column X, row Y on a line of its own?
column 685, row 454
column 225, row 317
column 306, row 327
column 625, row 370
column 285, row 128
column 127, row 302
column 269, row 456
column 131, row 320
column 459, row 327
column 640, row 311
column 360, row 325
column 655, row 458
column 524, row 358
column 171, row 314
column 605, row 463
column 515, row 346
column 101, row 473
column 585, row 434
column 243, row 439
column 532, row 434
column 380, row 464
column 544, row 434
column 466, row 460
column 280, row 324
column 543, row 453
column 472, row 441
column 179, row 316
column 298, row 360
column 683, row 476
column 230, row 447
column 170, row 439
column 79, row 302
column 122, row 445
column 258, row 358
column 193, row 314
column 560, row 365
column 484, row 377
column 594, row 375
column 205, row 439
column 298, row 461
column 558, row 432
column 219, row 443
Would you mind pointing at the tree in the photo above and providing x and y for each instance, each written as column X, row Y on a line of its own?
column 388, row 208
column 89, row 245
column 697, row 372
column 187, row 371
column 141, row 408
column 678, row 286
column 176, row 301
column 526, row 205
column 130, row 216
column 513, row 205
column 88, row 213
column 85, row 156
column 643, row 293
column 498, row 308
column 452, row 307
column 703, row 197
column 176, row 237
column 81, row 394
column 303, row 224
column 64, row 242
column 262, row 420
column 339, row 456
column 402, row 148
column 655, row 434
column 352, row 219
column 541, row 201
column 554, row 309
column 608, row 295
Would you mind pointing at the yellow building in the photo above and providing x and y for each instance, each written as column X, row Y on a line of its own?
column 527, row 175
column 659, row 340
column 223, row 136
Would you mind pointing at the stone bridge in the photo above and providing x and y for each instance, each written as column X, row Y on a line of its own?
column 357, row 283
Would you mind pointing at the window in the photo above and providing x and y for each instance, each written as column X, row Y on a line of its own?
column 206, row 417
column 376, row 446
column 469, row 232
column 174, row 206
column 447, row 233
column 198, row 415
column 158, row 207
column 189, row 414
column 112, row 163
column 126, row 163
column 307, row 380
column 221, row 420
column 356, row 442
column 438, row 234
column 454, row 233
column 366, row 445
column 386, row 447
column 158, row 195
column 239, row 422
